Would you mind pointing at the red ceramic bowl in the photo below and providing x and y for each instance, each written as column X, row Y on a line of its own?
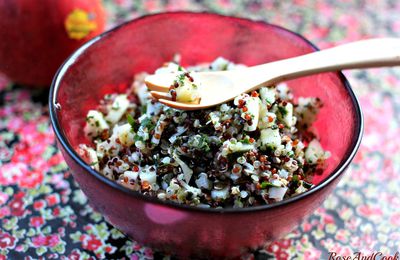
column 107, row 64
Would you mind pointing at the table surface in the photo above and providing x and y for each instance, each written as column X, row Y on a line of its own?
column 44, row 214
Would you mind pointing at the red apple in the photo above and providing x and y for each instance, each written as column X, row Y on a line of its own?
column 37, row 36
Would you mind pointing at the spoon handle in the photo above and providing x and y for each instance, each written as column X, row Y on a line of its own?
column 361, row 54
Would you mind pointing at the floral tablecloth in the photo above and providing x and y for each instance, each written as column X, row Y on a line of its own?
column 43, row 214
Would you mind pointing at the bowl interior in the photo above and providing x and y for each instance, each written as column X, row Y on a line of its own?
column 108, row 64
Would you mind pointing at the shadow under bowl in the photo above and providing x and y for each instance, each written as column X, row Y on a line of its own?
column 108, row 63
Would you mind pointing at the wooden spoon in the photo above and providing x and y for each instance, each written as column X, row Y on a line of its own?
column 221, row 86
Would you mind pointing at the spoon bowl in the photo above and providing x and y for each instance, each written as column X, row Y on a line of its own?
column 222, row 86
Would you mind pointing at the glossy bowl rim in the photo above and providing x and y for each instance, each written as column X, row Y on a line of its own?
column 63, row 141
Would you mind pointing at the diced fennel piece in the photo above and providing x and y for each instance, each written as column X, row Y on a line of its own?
column 203, row 182
column 124, row 134
column 153, row 108
column 270, row 138
column 220, row 194
column 234, row 147
column 266, row 119
column 314, row 152
column 95, row 124
column 285, row 114
column 187, row 172
column 253, row 109
column 169, row 67
column 159, row 129
column 215, row 119
column 90, row 156
column 307, row 110
column 267, row 95
column 142, row 93
column 131, row 175
column 195, row 191
column 283, row 91
column 219, row 64
column 277, row 193
column 149, row 174
column 118, row 109
column 187, row 91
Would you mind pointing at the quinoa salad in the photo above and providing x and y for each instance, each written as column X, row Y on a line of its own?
column 255, row 150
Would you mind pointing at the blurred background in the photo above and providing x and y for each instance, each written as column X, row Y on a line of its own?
column 44, row 214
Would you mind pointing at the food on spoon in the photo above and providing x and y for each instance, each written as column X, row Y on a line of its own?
column 184, row 89
column 257, row 149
